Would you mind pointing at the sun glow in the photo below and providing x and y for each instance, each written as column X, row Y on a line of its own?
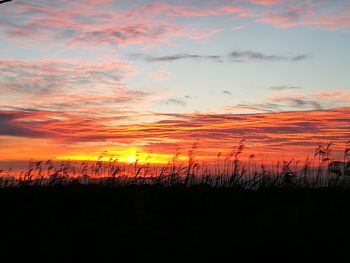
column 132, row 159
column 122, row 155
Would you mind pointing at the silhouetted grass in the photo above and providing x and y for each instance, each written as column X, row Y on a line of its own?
column 228, row 171
column 178, row 212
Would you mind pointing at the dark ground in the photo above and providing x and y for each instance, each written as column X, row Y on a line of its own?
column 155, row 224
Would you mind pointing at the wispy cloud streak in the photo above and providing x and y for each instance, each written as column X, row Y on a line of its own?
column 295, row 102
column 234, row 56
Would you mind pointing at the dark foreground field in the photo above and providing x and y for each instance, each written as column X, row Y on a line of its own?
column 157, row 224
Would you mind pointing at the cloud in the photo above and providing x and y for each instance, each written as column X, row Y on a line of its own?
column 9, row 126
column 299, row 103
column 234, row 56
column 267, row 133
column 67, row 85
column 178, row 102
column 80, row 22
column 295, row 102
column 265, row 2
column 200, row 35
column 321, row 14
column 176, row 57
column 130, row 34
column 188, row 11
column 109, row 22
column 283, row 87
column 241, row 56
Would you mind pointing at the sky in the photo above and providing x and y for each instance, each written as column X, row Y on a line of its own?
column 144, row 79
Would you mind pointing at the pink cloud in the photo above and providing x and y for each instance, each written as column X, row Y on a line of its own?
column 303, row 13
column 89, row 23
column 67, row 85
column 100, row 22
column 205, row 34
column 186, row 11
column 336, row 21
column 79, row 23
column 265, row 2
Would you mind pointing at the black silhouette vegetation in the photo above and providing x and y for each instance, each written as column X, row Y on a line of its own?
column 178, row 213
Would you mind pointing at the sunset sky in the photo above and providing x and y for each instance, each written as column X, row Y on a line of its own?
column 141, row 79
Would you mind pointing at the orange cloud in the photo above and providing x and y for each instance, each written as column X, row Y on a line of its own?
column 295, row 134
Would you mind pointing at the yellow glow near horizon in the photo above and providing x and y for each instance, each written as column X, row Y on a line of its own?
column 123, row 155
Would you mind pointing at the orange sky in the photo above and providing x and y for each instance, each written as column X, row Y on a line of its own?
column 44, row 135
